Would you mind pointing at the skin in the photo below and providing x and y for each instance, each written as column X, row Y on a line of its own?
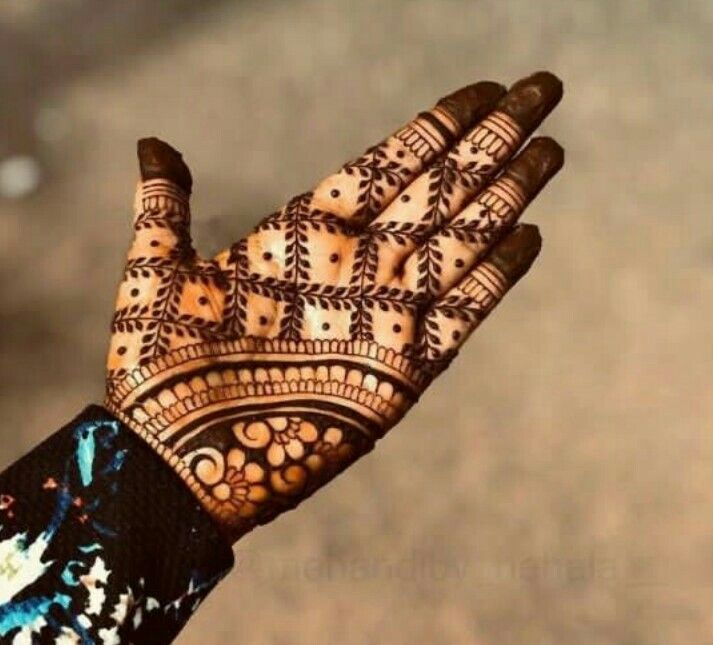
column 261, row 373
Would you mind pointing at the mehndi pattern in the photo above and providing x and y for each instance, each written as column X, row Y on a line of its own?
column 261, row 373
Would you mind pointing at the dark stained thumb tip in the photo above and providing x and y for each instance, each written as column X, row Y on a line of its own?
column 515, row 253
column 158, row 160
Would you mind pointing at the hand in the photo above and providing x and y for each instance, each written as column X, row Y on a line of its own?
column 261, row 373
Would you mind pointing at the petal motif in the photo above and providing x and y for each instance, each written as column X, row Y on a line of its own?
column 278, row 423
column 295, row 449
column 307, row 432
column 333, row 435
column 258, row 493
column 276, row 454
column 254, row 473
column 236, row 458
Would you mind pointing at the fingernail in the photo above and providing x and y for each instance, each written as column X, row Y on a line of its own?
column 536, row 164
column 514, row 254
column 158, row 160
column 531, row 99
column 468, row 104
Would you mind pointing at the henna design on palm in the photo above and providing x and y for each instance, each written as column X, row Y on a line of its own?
column 261, row 373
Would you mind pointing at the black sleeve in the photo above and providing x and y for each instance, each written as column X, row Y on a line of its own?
column 100, row 541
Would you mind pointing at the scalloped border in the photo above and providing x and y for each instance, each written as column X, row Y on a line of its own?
column 410, row 370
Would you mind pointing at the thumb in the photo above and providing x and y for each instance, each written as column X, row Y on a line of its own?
column 158, row 160
column 161, row 206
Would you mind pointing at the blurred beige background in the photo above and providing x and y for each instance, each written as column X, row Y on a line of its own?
column 556, row 485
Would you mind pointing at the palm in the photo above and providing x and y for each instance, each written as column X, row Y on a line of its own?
column 262, row 372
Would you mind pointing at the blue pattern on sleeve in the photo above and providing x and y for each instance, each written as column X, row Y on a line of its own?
column 73, row 571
